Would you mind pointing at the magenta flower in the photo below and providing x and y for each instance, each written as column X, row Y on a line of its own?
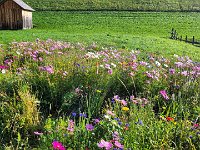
column 3, row 67
column 164, row 94
column 104, row 144
column 118, row 145
column 58, row 146
column 89, row 127
column 110, row 71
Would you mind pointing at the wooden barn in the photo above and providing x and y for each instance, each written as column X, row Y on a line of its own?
column 15, row 14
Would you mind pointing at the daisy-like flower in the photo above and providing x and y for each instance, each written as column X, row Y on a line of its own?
column 118, row 145
column 125, row 108
column 104, row 144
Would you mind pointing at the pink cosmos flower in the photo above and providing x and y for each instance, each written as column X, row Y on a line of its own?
column 70, row 127
column 110, row 113
column 104, row 144
column 107, row 66
column 116, row 97
column 184, row 73
column 118, row 145
column 123, row 102
column 38, row 133
column 49, row 69
column 89, row 127
column 164, row 94
column 58, row 146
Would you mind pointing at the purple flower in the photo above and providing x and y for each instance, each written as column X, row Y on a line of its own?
column 74, row 114
column 58, row 146
column 96, row 121
column 164, row 94
column 140, row 122
column 116, row 136
column 110, row 71
column 104, row 144
column 120, row 123
column 172, row 71
column 89, row 127
column 83, row 115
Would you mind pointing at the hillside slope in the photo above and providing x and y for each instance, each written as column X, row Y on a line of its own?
column 135, row 5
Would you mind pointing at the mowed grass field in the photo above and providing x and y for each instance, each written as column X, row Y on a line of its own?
column 148, row 31
column 136, row 5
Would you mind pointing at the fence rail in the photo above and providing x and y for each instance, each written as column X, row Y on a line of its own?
column 193, row 40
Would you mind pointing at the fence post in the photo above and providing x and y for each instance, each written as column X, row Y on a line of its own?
column 175, row 34
column 172, row 33
column 181, row 38
column 186, row 39
column 193, row 40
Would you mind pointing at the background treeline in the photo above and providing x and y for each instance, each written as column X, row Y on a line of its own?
column 134, row 5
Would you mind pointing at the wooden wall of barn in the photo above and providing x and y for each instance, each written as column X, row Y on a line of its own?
column 10, row 16
column 27, row 19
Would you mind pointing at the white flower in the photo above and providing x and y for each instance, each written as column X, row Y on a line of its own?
column 166, row 65
column 114, row 65
column 107, row 117
column 176, row 56
column 3, row 71
column 157, row 64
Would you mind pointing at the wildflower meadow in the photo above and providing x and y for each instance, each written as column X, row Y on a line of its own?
column 71, row 96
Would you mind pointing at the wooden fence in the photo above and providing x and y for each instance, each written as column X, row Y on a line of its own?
column 193, row 40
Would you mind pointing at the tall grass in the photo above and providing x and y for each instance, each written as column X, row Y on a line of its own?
column 53, row 90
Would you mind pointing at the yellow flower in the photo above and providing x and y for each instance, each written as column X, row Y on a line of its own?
column 98, row 91
column 125, row 108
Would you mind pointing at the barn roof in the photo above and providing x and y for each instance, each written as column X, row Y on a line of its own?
column 21, row 4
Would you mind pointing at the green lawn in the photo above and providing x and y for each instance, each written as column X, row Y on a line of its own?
column 144, row 5
column 132, row 30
